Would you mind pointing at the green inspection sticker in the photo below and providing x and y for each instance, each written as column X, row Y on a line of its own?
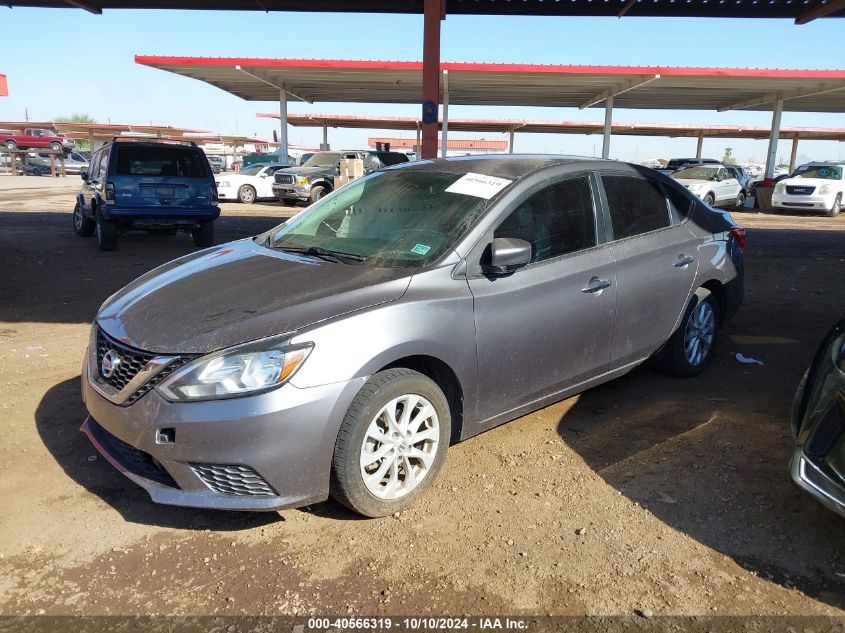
column 420, row 249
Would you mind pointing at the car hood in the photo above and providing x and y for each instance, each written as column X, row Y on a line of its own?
column 811, row 182
column 305, row 171
column 240, row 292
column 693, row 182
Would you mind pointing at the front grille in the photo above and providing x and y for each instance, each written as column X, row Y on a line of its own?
column 283, row 179
column 131, row 362
column 241, row 481
column 799, row 191
column 132, row 459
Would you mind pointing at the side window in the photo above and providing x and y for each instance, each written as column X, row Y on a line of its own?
column 637, row 205
column 679, row 201
column 556, row 220
column 723, row 174
column 93, row 165
column 104, row 164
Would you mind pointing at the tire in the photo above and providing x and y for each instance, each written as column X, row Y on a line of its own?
column 203, row 234
column 366, row 422
column 709, row 200
column 11, row 145
column 106, row 233
column 681, row 356
column 317, row 192
column 836, row 208
column 246, row 194
column 739, row 203
column 56, row 147
column 82, row 226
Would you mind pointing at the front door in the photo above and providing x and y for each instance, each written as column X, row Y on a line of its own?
column 548, row 325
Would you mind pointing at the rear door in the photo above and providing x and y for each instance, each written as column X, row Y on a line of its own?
column 548, row 325
column 656, row 257
column 728, row 187
column 160, row 176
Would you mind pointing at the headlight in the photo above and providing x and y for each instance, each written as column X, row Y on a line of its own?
column 301, row 180
column 825, row 189
column 238, row 371
column 780, row 187
column 223, row 183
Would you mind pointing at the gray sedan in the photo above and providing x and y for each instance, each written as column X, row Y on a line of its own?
column 343, row 351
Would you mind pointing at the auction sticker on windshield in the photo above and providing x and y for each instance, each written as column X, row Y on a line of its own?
column 478, row 185
column 420, row 249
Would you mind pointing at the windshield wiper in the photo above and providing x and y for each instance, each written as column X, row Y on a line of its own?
column 323, row 253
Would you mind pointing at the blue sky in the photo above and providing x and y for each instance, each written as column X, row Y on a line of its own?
column 90, row 68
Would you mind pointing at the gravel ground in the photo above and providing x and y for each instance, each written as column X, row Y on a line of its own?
column 648, row 493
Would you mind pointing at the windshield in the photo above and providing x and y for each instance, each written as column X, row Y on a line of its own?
column 401, row 218
column 698, row 172
column 825, row 172
column 252, row 170
column 322, row 159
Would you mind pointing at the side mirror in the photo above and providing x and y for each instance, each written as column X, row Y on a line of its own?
column 84, row 175
column 508, row 254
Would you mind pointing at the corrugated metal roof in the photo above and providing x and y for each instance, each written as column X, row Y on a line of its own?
column 799, row 10
column 456, row 143
column 654, row 87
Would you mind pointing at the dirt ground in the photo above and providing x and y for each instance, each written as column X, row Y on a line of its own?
column 648, row 493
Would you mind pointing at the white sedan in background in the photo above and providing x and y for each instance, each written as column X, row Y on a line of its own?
column 249, row 184
column 714, row 184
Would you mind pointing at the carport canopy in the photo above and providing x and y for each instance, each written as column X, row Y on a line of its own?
column 634, row 87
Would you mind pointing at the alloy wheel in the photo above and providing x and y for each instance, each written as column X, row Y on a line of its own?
column 77, row 218
column 399, row 447
column 698, row 337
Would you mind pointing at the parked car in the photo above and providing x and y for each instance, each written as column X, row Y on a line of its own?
column 742, row 178
column 35, row 138
column 714, row 184
column 315, row 178
column 216, row 162
column 249, row 184
column 818, row 424
column 152, row 186
column 675, row 164
column 75, row 163
column 814, row 186
column 756, row 183
column 345, row 349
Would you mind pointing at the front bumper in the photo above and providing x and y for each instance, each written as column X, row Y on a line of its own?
column 300, row 192
column 811, row 202
column 813, row 480
column 264, row 452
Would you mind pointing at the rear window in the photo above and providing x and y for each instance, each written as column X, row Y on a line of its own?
column 160, row 160
column 391, row 158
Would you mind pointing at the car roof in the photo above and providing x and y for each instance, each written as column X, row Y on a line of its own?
column 505, row 165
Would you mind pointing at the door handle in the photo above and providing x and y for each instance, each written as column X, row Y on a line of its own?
column 596, row 285
column 683, row 261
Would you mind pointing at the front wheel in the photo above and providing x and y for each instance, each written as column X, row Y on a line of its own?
column 317, row 193
column 246, row 194
column 709, row 200
column 837, row 206
column 82, row 226
column 203, row 234
column 11, row 145
column 690, row 348
column 56, row 147
column 739, row 203
column 391, row 444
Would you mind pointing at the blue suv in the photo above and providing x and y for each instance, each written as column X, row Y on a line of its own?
column 152, row 186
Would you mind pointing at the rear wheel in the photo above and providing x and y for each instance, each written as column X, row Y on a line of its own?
column 317, row 192
column 392, row 443
column 690, row 348
column 837, row 206
column 203, row 234
column 709, row 200
column 106, row 233
column 246, row 194
column 82, row 226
